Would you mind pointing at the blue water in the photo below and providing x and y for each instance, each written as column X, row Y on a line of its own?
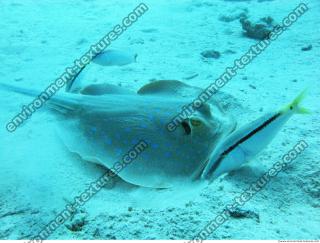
column 70, row 111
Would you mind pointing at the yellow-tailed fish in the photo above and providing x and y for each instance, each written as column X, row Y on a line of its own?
column 245, row 143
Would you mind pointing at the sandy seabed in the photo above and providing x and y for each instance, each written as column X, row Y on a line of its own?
column 38, row 175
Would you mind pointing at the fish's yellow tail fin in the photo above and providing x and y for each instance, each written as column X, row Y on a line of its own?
column 295, row 105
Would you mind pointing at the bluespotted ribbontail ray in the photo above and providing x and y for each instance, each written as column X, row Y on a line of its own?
column 102, row 122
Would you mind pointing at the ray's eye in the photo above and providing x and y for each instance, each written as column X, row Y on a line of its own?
column 186, row 127
column 196, row 122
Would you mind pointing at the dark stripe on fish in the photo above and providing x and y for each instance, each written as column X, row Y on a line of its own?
column 249, row 135
column 266, row 123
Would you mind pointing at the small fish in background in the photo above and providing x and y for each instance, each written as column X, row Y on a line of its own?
column 245, row 143
column 115, row 58
column 105, row 58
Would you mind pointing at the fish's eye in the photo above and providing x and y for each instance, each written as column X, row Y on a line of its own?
column 186, row 127
column 291, row 107
column 195, row 122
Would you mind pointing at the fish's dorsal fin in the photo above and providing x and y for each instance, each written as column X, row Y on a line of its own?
column 103, row 89
column 168, row 88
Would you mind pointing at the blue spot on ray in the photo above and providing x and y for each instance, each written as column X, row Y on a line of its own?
column 168, row 154
column 128, row 129
column 154, row 145
column 107, row 141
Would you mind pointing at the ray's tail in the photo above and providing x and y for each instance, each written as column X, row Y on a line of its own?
column 16, row 89
column 60, row 102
